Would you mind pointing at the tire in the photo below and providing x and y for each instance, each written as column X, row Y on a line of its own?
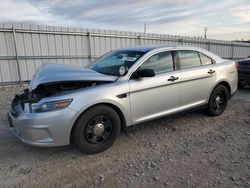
column 97, row 129
column 242, row 84
column 218, row 101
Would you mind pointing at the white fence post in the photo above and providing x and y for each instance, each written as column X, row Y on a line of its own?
column 139, row 37
column 180, row 41
column 17, row 57
column 89, row 47
column 208, row 46
column 232, row 52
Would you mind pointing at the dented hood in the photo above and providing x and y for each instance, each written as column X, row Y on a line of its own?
column 52, row 73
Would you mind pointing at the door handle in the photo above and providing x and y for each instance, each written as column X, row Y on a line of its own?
column 172, row 78
column 211, row 71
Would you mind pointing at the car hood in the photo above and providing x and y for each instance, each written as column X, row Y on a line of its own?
column 52, row 73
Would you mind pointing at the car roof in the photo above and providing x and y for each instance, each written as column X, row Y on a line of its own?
column 155, row 47
column 146, row 48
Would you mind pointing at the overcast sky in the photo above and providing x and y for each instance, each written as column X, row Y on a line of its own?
column 225, row 19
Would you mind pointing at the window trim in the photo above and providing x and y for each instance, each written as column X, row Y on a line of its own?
column 176, row 59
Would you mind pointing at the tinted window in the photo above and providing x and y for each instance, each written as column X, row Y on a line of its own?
column 189, row 58
column 205, row 60
column 161, row 62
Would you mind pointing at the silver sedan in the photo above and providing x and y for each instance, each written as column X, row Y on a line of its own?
column 89, row 107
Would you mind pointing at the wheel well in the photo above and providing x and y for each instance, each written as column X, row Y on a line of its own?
column 118, row 111
column 224, row 83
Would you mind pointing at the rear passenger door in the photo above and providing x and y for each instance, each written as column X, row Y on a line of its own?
column 198, row 77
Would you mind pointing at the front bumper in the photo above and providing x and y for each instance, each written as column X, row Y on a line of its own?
column 44, row 129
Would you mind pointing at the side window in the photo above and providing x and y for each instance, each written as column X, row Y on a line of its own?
column 205, row 60
column 189, row 58
column 161, row 62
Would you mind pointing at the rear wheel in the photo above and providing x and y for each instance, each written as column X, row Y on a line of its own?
column 97, row 129
column 218, row 101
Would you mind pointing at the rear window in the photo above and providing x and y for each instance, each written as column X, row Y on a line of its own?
column 205, row 60
column 189, row 58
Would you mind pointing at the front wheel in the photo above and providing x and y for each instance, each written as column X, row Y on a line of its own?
column 218, row 101
column 97, row 129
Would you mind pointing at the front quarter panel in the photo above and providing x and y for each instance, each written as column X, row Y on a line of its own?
column 106, row 93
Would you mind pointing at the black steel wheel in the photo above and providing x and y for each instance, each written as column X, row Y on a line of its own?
column 97, row 129
column 218, row 101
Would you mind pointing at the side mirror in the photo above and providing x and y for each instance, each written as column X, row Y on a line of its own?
column 144, row 73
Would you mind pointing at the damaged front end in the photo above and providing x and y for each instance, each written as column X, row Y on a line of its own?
column 17, row 105
column 54, row 79
column 47, row 90
column 52, row 89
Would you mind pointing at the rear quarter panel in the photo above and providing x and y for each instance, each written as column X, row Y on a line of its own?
column 226, row 71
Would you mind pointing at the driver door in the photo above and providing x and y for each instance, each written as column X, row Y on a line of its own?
column 152, row 97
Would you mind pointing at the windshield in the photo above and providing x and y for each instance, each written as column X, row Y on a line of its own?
column 111, row 62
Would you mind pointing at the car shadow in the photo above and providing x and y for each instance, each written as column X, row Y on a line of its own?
column 164, row 122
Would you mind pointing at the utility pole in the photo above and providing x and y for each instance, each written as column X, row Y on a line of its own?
column 145, row 28
column 205, row 34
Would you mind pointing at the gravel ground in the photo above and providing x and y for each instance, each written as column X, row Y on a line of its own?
column 188, row 150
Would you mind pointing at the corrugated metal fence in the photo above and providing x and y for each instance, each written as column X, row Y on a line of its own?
column 24, row 47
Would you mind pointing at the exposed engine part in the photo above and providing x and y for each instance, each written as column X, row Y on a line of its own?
column 50, row 89
column 47, row 90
